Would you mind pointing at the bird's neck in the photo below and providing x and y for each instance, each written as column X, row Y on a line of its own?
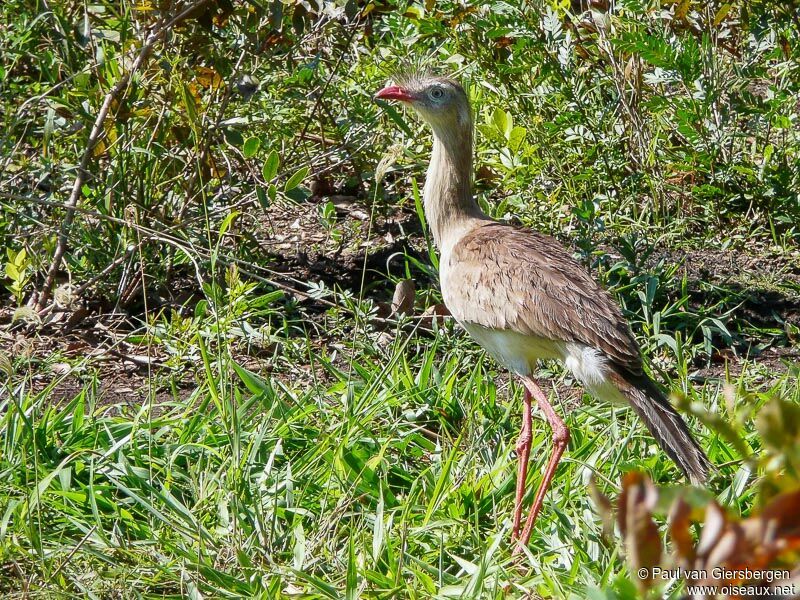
column 449, row 205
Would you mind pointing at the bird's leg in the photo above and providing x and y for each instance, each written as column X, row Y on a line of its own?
column 523, row 453
column 560, row 440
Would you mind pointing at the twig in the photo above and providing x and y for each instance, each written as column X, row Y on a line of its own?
column 205, row 143
column 72, row 552
column 164, row 236
column 94, row 138
column 321, row 95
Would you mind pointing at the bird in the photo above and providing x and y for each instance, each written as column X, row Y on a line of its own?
column 522, row 296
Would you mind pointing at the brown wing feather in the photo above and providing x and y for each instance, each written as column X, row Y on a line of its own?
column 508, row 278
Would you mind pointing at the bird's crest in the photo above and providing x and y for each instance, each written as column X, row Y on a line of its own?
column 414, row 72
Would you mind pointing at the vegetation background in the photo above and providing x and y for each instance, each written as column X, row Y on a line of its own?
column 218, row 381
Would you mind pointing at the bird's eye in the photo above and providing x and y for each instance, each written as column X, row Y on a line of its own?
column 437, row 93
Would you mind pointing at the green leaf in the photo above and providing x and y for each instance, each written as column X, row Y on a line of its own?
column 689, row 61
column 299, row 194
column 651, row 48
column 723, row 12
column 442, row 482
column 502, row 121
column 769, row 149
column 22, row 255
column 270, row 168
column 516, row 137
column 189, row 103
column 38, row 491
column 261, row 195
column 378, row 529
column 781, row 122
column 251, row 146
column 12, row 272
column 413, row 12
column 49, row 125
column 351, row 589
column 398, row 119
column 319, row 585
column 253, row 382
column 296, row 179
column 226, row 223
column 233, row 137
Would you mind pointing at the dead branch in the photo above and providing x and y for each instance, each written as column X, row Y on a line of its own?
column 94, row 138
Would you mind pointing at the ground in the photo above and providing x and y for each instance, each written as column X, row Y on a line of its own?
column 759, row 285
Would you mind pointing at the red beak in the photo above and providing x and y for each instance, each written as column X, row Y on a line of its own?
column 394, row 92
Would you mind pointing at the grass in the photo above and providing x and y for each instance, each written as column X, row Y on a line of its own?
column 393, row 474
column 211, row 409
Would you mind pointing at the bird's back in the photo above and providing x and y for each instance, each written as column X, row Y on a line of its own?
column 522, row 295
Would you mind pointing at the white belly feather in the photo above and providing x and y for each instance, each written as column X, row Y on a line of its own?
column 519, row 353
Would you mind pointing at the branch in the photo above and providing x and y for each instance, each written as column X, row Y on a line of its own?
column 94, row 137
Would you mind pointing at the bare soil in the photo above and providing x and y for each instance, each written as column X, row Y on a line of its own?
column 761, row 285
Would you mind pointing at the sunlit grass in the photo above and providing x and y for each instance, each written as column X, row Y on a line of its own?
column 394, row 477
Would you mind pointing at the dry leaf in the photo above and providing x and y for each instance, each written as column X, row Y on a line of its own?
column 604, row 507
column 392, row 154
column 434, row 316
column 639, row 530
column 679, row 523
column 403, row 299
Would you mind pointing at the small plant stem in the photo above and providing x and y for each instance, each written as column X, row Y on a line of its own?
column 94, row 137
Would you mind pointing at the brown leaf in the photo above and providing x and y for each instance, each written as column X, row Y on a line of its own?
column 76, row 318
column 639, row 530
column 321, row 186
column 712, row 528
column 682, row 9
column 384, row 310
column 403, row 299
column 582, row 52
column 782, row 517
column 603, row 505
column 484, row 173
column 433, row 316
column 726, row 547
column 460, row 15
column 679, row 522
column 208, row 78
column 785, row 47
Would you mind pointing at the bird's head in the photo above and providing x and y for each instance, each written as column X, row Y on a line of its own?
column 440, row 101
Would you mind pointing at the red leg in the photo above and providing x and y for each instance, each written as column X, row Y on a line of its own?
column 523, row 454
column 560, row 440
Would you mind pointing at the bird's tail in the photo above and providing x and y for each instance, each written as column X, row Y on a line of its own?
column 666, row 425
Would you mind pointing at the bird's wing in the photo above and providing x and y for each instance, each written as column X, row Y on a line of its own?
column 508, row 278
